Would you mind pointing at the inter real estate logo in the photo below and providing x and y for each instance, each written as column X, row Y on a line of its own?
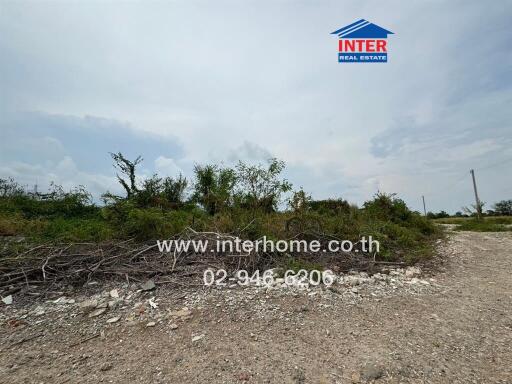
column 362, row 42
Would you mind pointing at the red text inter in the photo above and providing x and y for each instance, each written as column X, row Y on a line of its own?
column 362, row 45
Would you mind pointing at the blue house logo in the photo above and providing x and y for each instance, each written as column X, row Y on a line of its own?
column 362, row 42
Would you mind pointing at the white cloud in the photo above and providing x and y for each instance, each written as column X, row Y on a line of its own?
column 167, row 167
column 64, row 173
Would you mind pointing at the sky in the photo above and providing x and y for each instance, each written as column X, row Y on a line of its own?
column 193, row 82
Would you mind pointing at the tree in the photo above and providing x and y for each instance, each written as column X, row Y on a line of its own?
column 439, row 215
column 174, row 189
column 213, row 187
column 474, row 209
column 299, row 201
column 127, row 168
column 10, row 188
column 149, row 192
column 260, row 187
column 503, row 207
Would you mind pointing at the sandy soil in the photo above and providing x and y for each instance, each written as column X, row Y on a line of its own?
column 458, row 330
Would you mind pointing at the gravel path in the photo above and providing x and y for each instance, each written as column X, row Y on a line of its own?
column 459, row 331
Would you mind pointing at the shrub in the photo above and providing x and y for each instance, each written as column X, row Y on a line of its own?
column 259, row 187
column 330, row 206
column 55, row 203
column 503, row 207
column 213, row 188
column 166, row 193
column 439, row 215
column 74, row 229
column 387, row 207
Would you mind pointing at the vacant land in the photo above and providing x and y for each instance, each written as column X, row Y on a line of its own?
column 450, row 325
column 486, row 224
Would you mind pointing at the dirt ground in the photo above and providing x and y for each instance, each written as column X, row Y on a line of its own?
column 454, row 328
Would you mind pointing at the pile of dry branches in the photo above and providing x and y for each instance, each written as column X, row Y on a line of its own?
column 78, row 263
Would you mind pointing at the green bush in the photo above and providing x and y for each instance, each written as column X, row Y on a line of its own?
column 152, row 223
column 330, row 206
column 387, row 207
column 55, row 203
column 74, row 229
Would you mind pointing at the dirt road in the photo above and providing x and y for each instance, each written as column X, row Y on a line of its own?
column 460, row 331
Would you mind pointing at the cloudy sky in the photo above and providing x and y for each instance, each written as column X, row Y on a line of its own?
column 187, row 82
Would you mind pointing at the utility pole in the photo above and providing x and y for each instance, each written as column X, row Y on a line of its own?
column 424, row 209
column 478, row 205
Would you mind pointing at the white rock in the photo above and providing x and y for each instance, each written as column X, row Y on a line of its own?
column 113, row 303
column 152, row 303
column 412, row 272
column 113, row 319
column 197, row 338
column 182, row 313
column 39, row 311
column 88, row 304
column 64, row 300
column 97, row 312
column 352, row 280
column 7, row 300
column 148, row 285
column 151, row 324
column 114, row 293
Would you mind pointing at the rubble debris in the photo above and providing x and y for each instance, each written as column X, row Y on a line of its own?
column 97, row 312
column 183, row 314
column 113, row 319
column 88, row 305
column 64, row 300
column 152, row 303
column 412, row 272
column 148, row 285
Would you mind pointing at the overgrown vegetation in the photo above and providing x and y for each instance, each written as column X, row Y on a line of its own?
column 249, row 201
